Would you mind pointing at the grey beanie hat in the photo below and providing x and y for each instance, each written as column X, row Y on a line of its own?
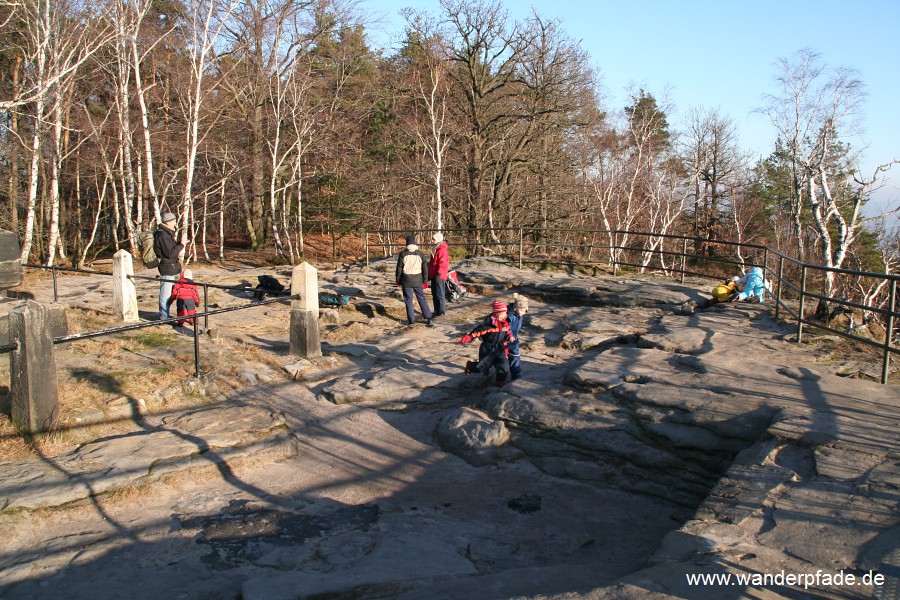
column 169, row 218
column 520, row 301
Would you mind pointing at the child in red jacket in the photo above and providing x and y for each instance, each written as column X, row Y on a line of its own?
column 495, row 336
column 184, row 294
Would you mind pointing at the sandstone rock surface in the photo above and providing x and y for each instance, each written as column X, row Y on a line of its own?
column 644, row 443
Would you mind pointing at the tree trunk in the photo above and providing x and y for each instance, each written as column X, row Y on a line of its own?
column 14, row 150
column 257, row 182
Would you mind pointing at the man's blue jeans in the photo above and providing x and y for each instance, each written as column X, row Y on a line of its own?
column 166, row 283
column 415, row 292
column 439, row 295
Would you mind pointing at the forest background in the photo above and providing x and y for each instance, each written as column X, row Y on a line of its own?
column 262, row 122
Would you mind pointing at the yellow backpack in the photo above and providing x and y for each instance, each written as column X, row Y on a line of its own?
column 724, row 291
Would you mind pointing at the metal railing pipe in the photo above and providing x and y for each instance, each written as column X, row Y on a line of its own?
column 196, row 346
column 778, row 282
column 521, row 246
column 889, row 332
column 802, row 304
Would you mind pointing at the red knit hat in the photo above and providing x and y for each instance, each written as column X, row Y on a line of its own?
column 497, row 307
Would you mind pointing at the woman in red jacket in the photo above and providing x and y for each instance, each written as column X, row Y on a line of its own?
column 438, row 269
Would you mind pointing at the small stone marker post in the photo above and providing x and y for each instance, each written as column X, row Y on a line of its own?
column 305, row 312
column 125, row 304
column 11, row 274
column 11, row 270
column 35, row 400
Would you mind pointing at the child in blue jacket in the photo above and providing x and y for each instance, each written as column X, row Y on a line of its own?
column 516, row 314
column 752, row 285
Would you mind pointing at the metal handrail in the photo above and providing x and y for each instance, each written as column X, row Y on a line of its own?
column 282, row 298
column 618, row 257
column 101, row 332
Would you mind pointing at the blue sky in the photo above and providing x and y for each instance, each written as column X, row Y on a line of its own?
column 721, row 54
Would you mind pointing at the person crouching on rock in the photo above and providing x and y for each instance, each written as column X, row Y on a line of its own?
column 723, row 292
column 495, row 335
column 186, row 297
column 752, row 286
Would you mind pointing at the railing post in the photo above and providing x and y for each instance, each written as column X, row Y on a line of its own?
column 125, row 306
column 366, row 238
column 197, row 346
column 55, row 289
column 778, row 294
column 683, row 257
column 802, row 304
column 205, row 306
column 615, row 253
column 521, row 246
column 33, row 385
column 889, row 333
column 304, row 338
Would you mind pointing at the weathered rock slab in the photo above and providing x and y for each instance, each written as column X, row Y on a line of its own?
column 197, row 438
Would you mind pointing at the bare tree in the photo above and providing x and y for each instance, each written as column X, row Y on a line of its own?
column 58, row 37
column 208, row 19
column 632, row 181
column 302, row 114
column 130, row 54
column 711, row 155
column 667, row 195
column 267, row 37
column 430, row 87
column 817, row 109
column 484, row 57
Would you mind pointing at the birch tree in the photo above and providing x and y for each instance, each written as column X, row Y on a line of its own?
column 59, row 37
column 818, row 109
column 207, row 21
column 630, row 174
column 430, row 87
column 128, row 19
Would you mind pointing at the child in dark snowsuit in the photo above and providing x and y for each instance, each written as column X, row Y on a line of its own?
column 495, row 337
column 184, row 293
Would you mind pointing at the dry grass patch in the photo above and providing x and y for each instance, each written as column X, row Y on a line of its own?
column 241, row 354
column 15, row 447
column 82, row 320
column 100, row 379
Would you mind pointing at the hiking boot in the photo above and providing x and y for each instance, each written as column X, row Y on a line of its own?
column 428, row 323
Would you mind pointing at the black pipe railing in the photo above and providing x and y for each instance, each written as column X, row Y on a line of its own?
column 195, row 318
column 111, row 330
column 788, row 274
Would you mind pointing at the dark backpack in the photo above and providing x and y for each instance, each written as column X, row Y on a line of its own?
column 148, row 254
column 267, row 285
